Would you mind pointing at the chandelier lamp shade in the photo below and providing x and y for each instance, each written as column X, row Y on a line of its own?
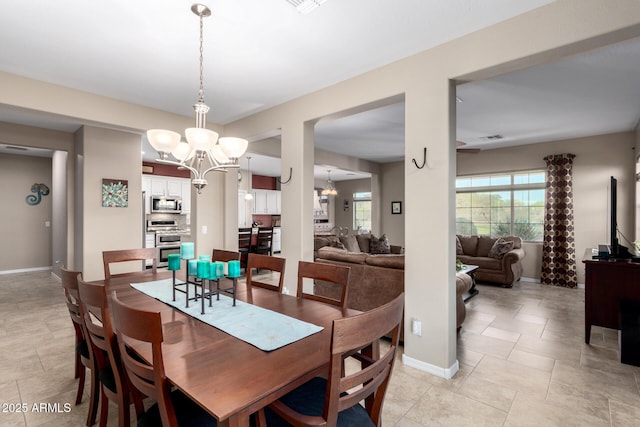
column 329, row 190
column 203, row 151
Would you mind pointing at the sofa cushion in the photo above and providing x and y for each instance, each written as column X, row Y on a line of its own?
column 379, row 245
column 386, row 260
column 459, row 250
column 336, row 254
column 350, row 243
column 321, row 242
column 500, row 248
column 487, row 263
column 469, row 244
column 517, row 241
column 364, row 241
column 485, row 243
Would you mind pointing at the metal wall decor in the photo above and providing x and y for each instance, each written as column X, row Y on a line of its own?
column 40, row 190
column 115, row 193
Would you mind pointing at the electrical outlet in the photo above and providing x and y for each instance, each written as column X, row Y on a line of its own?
column 416, row 327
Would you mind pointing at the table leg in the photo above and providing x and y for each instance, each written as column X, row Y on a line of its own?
column 472, row 291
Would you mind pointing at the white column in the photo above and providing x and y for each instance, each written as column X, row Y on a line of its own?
column 297, row 200
column 430, row 257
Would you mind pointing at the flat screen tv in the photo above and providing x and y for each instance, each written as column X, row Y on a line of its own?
column 616, row 250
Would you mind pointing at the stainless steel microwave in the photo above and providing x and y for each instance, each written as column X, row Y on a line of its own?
column 166, row 205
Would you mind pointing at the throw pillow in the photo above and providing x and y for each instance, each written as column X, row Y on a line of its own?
column 380, row 245
column 458, row 247
column 351, row 243
column 364, row 241
column 500, row 248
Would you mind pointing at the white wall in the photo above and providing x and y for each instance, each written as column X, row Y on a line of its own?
column 597, row 158
column 111, row 154
column 27, row 240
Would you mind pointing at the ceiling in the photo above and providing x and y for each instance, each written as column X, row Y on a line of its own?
column 260, row 53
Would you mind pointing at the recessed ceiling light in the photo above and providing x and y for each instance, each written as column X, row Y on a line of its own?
column 305, row 6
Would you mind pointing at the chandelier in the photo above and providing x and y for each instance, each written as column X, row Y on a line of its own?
column 203, row 151
column 329, row 190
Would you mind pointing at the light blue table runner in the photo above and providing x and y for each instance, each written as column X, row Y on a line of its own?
column 262, row 328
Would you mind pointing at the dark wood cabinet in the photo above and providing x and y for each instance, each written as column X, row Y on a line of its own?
column 607, row 283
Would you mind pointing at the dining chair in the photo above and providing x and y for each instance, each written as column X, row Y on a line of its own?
column 114, row 385
column 265, row 262
column 172, row 408
column 245, row 234
column 222, row 255
column 264, row 239
column 335, row 400
column 335, row 274
column 126, row 255
column 84, row 357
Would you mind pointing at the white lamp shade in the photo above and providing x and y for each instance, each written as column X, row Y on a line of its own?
column 182, row 151
column 219, row 155
column 233, row 147
column 201, row 139
column 162, row 140
column 248, row 196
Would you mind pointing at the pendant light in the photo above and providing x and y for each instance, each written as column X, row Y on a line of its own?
column 329, row 190
column 249, row 195
column 204, row 151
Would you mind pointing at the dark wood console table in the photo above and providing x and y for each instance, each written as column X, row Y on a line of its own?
column 607, row 282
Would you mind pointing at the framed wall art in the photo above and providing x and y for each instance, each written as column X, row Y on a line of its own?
column 396, row 208
column 115, row 193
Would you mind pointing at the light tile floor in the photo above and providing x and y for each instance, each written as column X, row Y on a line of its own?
column 523, row 362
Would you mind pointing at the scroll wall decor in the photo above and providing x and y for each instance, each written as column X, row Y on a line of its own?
column 40, row 190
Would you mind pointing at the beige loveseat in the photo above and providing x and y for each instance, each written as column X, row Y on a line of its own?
column 502, row 266
column 376, row 279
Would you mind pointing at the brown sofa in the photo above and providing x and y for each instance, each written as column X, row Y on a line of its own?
column 376, row 279
column 495, row 267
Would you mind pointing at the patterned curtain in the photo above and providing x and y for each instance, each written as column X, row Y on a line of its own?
column 558, row 245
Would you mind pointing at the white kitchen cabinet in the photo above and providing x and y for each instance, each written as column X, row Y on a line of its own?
column 276, row 240
column 242, row 209
column 185, row 192
column 167, row 186
column 266, row 202
column 174, row 187
column 150, row 240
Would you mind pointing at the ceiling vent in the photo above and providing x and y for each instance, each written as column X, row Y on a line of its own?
column 492, row 137
column 305, row 6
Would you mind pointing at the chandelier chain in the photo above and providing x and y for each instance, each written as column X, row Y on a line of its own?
column 201, row 91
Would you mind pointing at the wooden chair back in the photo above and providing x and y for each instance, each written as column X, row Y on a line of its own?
column 336, row 274
column 69, row 279
column 97, row 320
column 126, row 255
column 224, row 256
column 265, row 262
column 149, row 379
column 358, row 337
column 264, row 239
column 84, row 350
column 244, row 238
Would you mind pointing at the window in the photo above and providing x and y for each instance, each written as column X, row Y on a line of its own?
column 362, row 211
column 501, row 204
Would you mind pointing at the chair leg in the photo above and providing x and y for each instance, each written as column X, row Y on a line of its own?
column 104, row 408
column 124, row 419
column 93, row 399
column 80, row 374
column 78, row 367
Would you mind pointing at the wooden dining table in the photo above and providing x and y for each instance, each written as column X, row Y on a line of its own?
column 228, row 377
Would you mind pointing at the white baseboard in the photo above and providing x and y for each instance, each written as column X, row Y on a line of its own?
column 25, row 270
column 446, row 373
column 530, row 280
